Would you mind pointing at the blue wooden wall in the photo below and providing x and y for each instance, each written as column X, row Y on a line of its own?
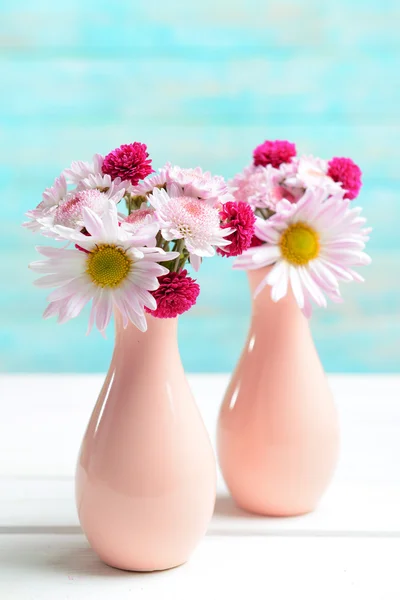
column 200, row 83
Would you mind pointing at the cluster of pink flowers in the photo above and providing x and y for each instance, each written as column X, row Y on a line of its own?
column 174, row 217
column 306, row 232
column 277, row 173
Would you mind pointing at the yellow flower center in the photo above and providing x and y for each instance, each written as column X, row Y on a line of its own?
column 299, row 244
column 108, row 265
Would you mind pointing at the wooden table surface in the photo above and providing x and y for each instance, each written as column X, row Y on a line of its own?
column 348, row 549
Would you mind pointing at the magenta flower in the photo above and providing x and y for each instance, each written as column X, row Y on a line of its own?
column 240, row 216
column 346, row 172
column 177, row 294
column 130, row 162
column 273, row 153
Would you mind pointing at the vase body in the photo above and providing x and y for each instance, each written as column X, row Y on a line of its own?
column 146, row 476
column 278, row 429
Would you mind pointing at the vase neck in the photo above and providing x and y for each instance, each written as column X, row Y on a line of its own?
column 264, row 307
column 155, row 327
column 155, row 344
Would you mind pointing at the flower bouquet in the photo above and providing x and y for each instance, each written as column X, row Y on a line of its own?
column 278, row 433
column 305, row 226
column 174, row 217
column 145, row 482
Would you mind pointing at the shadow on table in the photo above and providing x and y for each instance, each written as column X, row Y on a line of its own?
column 230, row 520
column 226, row 507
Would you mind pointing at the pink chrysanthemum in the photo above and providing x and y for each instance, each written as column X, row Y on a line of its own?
column 145, row 216
column 129, row 162
column 69, row 212
column 193, row 220
column 198, row 183
column 138, row 216
column 159, row 180
column 346, row 172
column 176, row 294
column 273, row 153
column 240, row 216
column 263, row 187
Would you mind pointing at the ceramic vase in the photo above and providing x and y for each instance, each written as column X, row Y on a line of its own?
column 146, row 476
column 278, row 428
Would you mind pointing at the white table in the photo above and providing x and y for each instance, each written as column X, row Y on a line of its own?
column 348, row 549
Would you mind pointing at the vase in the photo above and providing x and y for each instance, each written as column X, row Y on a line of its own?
column 146, row 475
column 278, row 427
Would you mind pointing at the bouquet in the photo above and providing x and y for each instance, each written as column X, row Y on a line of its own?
column 135, row 259
column 306, row 228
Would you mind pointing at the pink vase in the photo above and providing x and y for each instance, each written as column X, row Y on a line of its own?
column 146, row 476
column 278, row 429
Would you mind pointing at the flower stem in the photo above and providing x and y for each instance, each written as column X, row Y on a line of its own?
column 179, row 246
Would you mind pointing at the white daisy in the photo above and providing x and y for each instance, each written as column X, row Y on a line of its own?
column 190, row 219
column 313, row 245
column 111, row 267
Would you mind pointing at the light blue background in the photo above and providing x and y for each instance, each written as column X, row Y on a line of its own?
column 200, row 83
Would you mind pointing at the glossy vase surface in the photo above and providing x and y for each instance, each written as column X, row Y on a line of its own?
column 278, row 429
column 146, row 476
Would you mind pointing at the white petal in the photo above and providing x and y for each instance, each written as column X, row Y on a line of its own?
column 110, row 221
column 296, row 286
column 76, row 303
column 92, row 222
column 311, row 287
column 195, row 261
column 52, row 280
column 307, row 308
column 266, row 255
column 144, row 297
column 278, row 278
column 104, row 306
column 137, row 317
column 143, row 280
column 76, row 285
column 261, row 286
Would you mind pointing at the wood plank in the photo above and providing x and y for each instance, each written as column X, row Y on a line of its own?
column 45, row 567
column 47, row 505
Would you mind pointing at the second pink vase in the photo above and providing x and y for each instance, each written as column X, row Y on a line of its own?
column 278, row 429
column 146, row 476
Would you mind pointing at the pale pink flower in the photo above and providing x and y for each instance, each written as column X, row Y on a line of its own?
column 62, row 207
column 313, row 245
column 262, row 187
column 111, row 268
column 80, row 169
column 51, row 198
column 199, row 184
column 311, row 171
column 191, row 219
column 137, row 219
column 104, row 183
column 145, row 187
